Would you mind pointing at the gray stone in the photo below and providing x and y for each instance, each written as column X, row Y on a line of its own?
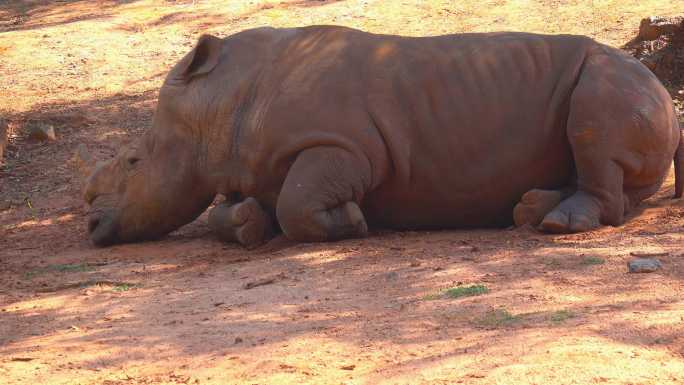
column 644, row 265
column 391, row 276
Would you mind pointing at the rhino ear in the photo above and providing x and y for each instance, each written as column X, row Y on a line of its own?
column 202, row 59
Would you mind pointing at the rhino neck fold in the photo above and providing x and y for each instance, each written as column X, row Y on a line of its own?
column 222, row 160
column 244, row 118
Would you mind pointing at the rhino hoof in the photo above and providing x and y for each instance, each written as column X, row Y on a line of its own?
column 577, row 214
column 559, row 222
column 356, row 218
column 245, row 222
column 534, row 205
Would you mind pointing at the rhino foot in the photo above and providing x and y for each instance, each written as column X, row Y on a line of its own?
column 534, row 205
column 581, row 212
column 245, row 222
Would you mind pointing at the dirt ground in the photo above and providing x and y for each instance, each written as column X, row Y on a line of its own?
column 551, row 309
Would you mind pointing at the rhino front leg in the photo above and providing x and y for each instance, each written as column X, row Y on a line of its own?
column 245, row 222
column 320, row 197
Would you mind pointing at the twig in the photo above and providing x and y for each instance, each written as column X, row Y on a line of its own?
column 261, row 282
column 264, row 281
column 639, row 254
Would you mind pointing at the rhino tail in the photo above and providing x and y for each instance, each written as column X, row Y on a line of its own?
column 679, row 167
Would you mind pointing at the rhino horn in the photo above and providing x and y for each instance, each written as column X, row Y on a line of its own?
column 84, row 162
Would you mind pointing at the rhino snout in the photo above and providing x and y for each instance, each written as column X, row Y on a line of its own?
column 102, row 229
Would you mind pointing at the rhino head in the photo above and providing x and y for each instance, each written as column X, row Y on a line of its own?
column 156, row 185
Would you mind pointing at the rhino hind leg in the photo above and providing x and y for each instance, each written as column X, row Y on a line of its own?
column 245, row 222
column 535, row 204
column 319, row 200
column 615, row 113
column 599, row 198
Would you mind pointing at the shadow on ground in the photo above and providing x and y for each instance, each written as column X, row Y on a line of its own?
column 19, row 15
column 355, row 295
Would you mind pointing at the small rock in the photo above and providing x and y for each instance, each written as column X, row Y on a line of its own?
column 644, row 265
column 238, row 340
column 41, row 132
column 391, row 276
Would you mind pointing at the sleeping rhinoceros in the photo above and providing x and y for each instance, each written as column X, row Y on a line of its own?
column 320, row 132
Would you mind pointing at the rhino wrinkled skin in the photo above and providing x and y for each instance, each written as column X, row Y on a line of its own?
column 321, row 132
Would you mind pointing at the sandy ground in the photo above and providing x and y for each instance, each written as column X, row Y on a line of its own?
column 557, row 309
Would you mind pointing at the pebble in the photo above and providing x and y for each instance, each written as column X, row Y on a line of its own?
column 644, row 265
column 391, row 276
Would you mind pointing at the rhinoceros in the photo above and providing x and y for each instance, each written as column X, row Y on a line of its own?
column 320, row 132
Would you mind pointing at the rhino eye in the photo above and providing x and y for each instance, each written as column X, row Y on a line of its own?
column 132, row 160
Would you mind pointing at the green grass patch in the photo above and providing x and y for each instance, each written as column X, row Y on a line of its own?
column 589, row 261
column 457, row 292
column 120, row 287
column 72, row 268
column 552, row 263
column 561, row 316
column 62, row 268
column 497, row 318
column 466, row 291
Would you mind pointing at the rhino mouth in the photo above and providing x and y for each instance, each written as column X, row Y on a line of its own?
column 102, row 229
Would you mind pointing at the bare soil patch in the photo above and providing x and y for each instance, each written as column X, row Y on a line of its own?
column 508, row 306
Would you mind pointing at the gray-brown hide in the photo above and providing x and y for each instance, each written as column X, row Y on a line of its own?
column 322, row 131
